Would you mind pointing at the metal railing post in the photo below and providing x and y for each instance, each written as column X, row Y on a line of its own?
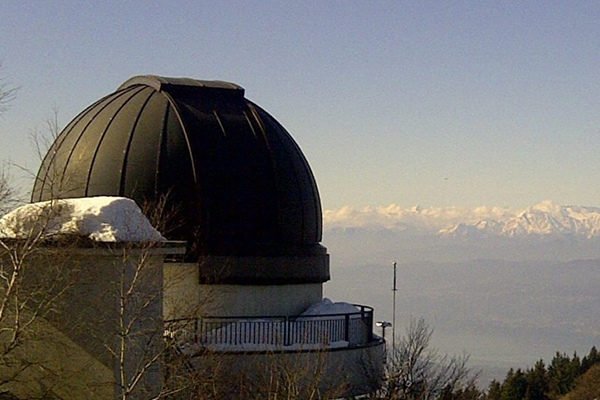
column 369, row 327
column 347, row 327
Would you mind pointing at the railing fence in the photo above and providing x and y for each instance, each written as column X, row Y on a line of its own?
column 284, row 331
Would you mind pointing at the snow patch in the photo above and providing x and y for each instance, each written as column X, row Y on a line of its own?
column 102, row 219
column 328, row 307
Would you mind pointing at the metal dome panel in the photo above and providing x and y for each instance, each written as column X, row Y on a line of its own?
column 241, row 183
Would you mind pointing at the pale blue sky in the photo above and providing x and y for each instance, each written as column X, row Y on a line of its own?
column 408, row 102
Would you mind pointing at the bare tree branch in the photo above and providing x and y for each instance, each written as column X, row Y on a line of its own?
column 7, row 94
column 416, row 371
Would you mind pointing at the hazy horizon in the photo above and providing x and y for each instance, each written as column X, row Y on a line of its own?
column 508, row 288
column 434, row 103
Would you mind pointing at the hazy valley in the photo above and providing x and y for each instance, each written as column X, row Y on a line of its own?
column 506, row 299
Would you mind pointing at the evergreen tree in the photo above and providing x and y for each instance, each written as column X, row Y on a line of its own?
column 515, row 386
column 563, row 377
column 575, row 366
column 562, row 373
column 537, row 382
column 494, row 390
column 590, row 360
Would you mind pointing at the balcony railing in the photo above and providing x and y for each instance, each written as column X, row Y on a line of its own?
column 304, row 331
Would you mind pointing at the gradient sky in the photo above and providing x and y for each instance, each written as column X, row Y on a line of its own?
column 408, row 102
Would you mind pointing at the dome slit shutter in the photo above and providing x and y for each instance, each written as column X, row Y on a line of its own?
column 185, row 135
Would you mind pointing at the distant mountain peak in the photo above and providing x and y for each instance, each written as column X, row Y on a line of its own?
column 546, row 219
column 543, row 219
column 416, row 209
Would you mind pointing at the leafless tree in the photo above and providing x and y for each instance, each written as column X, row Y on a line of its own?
column 416, row 371
column 54, row 297
column 7, row 94
column 139, row 348
column 34, row 281
column 7, row 191
column 68, row 303
column 42, row 137
column 268, row 376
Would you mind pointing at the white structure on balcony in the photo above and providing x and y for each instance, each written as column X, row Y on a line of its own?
column 243, row 197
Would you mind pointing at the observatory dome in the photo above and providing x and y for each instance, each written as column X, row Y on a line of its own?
column 239, row 183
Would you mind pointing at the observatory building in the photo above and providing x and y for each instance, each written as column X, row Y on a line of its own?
column 240, row 193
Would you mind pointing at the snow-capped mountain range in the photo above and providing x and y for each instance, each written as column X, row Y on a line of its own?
column 545, row 219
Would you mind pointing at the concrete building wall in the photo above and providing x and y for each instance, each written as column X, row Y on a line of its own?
column 60, row 367
column 185, row 297
column 85, row 298
column 338, row 372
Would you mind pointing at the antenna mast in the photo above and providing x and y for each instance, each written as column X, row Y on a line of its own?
column 394, row 290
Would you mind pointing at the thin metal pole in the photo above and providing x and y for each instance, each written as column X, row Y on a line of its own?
column 394, row 290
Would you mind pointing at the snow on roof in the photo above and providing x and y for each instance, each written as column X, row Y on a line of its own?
column 327, row 307
column 102, row 219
